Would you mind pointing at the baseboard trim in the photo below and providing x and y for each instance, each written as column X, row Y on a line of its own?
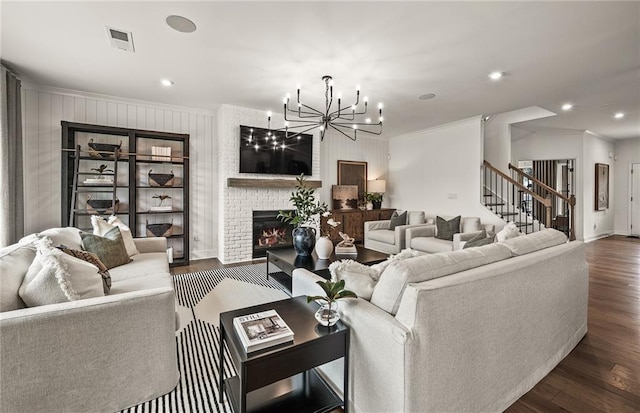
column 598, row 236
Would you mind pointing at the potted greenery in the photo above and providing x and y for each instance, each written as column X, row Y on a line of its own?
column 327, row 314
column 304, row 218
column 375, row 198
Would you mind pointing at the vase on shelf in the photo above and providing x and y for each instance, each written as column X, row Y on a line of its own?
column 327, row 315
column 304, row 240
column 324, row 248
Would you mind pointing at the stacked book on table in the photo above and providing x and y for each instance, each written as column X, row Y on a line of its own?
column 351, row 250
column 261, row 330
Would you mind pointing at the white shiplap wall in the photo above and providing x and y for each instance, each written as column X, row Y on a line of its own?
column 335, row 147
column 44, row 108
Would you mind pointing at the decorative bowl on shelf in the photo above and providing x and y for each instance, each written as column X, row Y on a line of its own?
column 160, row 179
column 101, row 206
column 102, row 150
column 160, row 230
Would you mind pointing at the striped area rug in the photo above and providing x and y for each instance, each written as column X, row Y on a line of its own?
column 198, row 345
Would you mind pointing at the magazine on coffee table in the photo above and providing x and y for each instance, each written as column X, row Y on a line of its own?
column 261, row 330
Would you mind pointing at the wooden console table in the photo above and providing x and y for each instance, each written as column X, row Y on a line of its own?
column 352, row 221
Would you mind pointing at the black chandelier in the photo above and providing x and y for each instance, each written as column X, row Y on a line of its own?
column 343, row 119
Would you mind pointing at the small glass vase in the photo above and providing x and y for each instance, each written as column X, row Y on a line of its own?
column 327, row 315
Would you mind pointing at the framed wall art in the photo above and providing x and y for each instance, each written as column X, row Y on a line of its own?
column 344, row 197
column 602, row 187
column 353, row 173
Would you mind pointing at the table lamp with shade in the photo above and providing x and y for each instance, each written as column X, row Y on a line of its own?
column 379, row 187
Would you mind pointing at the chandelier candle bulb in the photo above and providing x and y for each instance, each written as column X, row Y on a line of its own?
column 342, row 120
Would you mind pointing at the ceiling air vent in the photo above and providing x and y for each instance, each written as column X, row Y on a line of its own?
column 120, row 39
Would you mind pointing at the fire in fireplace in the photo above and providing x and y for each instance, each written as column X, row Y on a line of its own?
column 269, row 233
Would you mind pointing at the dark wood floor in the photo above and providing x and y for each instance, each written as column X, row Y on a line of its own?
column 602, row 374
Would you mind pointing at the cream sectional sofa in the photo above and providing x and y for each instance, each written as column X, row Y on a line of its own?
column 463, row 331
column 99, row 354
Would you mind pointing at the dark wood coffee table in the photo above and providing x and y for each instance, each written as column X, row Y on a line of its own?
column 286, row 260
column 282, row 378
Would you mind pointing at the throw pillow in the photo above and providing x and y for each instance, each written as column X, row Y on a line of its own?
column 479, row 240
column 445, row 229
column 101, row 227
column 15, row 260
column 127, row 236
column 55, row 277
column 67, row 236
column 359, row 278
column 91, row 258
column 109, row 248
column 397, row 220
column 402, row 255
column 509, row 231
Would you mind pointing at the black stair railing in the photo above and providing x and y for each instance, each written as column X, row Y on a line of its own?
column 562, row 206
column 509, row 199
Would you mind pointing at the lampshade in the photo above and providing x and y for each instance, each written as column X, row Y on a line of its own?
column 377, row 185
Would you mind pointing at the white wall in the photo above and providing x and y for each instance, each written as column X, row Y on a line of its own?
column 497, row 134
column 587, row 149
column 438, row 170
column 597, row 224
column 42, row 110
column 335, row 147
column 628, row 152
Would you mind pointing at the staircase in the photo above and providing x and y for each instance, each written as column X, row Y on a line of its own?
column 531, row 207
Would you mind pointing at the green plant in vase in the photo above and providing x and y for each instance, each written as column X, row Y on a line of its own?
column 327, row 314
column 305, row 217
column 375, row 198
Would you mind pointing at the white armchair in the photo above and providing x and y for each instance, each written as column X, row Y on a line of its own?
column 379, row 237
column 424, row 238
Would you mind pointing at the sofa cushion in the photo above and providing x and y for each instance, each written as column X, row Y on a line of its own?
column 142, row 265
column 93, row 259
column 357, row 277
column 68, row 236
column 397, row 220
column 446, row 229
column 55, row 277
column 109, row 247
column 15, row 261
column 415, row 217
column 150, row 281
column 535, row 241
column 383, row 235
column 388, row 292
column 431, row 244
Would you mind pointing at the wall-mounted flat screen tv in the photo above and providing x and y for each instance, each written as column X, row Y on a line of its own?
column 265, row 152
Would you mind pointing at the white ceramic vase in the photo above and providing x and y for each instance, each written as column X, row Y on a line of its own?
column 324, row 248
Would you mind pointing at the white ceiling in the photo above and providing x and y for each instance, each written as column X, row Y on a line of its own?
column 251, row 53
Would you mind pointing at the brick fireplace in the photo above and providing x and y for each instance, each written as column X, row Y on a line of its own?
column 236, row 205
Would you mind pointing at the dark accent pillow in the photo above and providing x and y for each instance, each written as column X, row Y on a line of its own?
column 91, row 258
column 478, row 240
column 109, row 248
column 397, row 220
column 446, row 229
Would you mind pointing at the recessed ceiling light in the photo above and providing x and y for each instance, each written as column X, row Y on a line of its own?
column 166, row 82
column 619, row 115
column 496, row 75
column 181, row 24
column 567, row 106
column 427, row 96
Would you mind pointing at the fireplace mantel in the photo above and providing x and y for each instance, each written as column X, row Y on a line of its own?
column 268, row 183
